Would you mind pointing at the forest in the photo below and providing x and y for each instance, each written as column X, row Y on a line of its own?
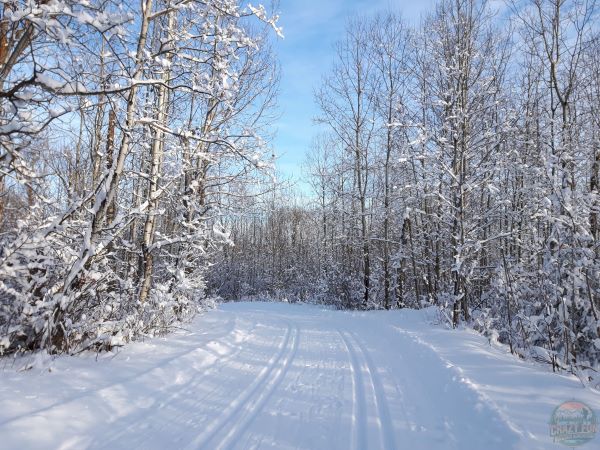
column 455, row 164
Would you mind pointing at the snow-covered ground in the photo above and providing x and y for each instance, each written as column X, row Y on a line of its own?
column 269, row 375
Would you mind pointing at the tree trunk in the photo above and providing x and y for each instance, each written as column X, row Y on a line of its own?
column 156, row 159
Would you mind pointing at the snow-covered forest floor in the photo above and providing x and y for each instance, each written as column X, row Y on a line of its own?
column 273, row 375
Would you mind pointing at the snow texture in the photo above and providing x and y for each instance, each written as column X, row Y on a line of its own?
column 273, row 375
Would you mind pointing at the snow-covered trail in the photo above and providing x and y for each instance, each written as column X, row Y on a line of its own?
column 266, row 375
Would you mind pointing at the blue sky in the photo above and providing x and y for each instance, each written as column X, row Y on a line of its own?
column 311, row 28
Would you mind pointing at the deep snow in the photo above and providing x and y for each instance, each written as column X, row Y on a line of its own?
column 273, row 375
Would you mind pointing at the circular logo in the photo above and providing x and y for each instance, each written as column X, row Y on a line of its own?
column 573, row 423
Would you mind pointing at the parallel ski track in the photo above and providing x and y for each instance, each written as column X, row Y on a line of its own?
column 250, row 402
column 182, row 392
column 366, row 378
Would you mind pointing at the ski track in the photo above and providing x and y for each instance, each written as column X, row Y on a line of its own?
column 263, row 375
column 260, row 395
column 386, row 427
column 189, row 408
column 181, row 392
column 236, row 407
column 359, row 402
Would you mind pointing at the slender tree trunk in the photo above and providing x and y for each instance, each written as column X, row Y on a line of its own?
column 386, row 219
column 156, row 159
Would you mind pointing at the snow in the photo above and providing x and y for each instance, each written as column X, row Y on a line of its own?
column 275, row 375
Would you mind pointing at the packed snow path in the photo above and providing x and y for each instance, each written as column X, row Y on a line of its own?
column 265, row 375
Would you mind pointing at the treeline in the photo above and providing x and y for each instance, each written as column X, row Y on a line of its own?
column 460, row 168
column 126, row 128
